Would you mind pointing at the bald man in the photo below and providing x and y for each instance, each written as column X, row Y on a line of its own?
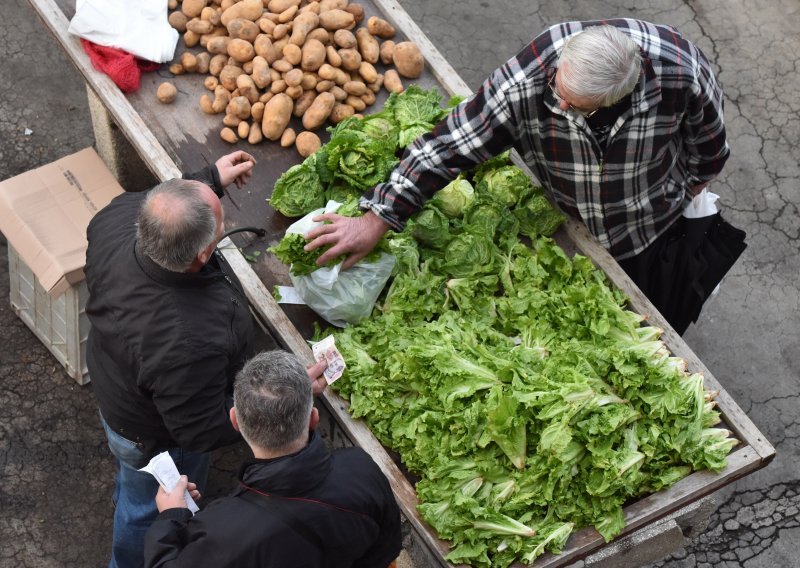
column 170, row 328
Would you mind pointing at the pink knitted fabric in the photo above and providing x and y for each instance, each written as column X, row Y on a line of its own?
column 122, row 67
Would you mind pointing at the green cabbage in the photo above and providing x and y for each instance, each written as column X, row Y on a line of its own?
column 298, row 191
column 454, row 198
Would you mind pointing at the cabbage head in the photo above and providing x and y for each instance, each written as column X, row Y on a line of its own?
column 298, row 191
column 507, row 185
column 454, row 198
column 484, row 217
column 431, row 227
column 469, row 254
column 537, row 217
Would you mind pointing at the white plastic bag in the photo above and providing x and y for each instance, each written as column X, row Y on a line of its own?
column 702, row 205
column 139, row 27
column 340, row 297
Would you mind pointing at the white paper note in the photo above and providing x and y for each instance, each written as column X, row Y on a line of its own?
column 163, row 469
column 326, row 349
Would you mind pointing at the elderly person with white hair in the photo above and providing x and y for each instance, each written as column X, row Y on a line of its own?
column 620, row 120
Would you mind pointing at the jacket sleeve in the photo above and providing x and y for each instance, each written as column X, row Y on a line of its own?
column 193, row 401
column 705, row 140
column 479, row 128
column 166, row 538
column 209, row 176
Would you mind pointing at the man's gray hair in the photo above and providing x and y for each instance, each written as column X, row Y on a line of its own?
column 602, row 64
column 273, row 399
column 173, row 236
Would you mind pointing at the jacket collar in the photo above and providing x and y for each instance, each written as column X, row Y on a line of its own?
column 170, row 278
column 292, row 475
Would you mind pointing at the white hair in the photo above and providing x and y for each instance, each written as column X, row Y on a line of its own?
column 600, row 63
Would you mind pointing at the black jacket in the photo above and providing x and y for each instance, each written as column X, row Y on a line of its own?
column 163, row 347
column 323, row 510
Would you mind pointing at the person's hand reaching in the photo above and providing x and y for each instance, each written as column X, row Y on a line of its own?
column 236, row 167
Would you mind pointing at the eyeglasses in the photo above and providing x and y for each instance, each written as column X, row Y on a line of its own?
column 560, row 99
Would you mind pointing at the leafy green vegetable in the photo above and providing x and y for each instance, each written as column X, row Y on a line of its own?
column 455, row 197
column 430, row 227
column 298, row 191
column 506, row 184
column 537, row 217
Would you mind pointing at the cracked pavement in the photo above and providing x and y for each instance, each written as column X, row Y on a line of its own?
column 56, row 470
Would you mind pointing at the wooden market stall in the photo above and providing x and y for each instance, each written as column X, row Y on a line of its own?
column 171, row 139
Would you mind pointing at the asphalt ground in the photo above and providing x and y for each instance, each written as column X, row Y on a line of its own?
column 56, row 472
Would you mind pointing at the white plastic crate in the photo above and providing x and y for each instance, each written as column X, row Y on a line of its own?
column 60, row 323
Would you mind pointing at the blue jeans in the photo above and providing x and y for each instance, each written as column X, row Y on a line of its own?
column 135, row 492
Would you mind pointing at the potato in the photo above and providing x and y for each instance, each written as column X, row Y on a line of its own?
column 338, row 93
column 278, row 86
column 356, row 88
column 277, row 113
column 178, row 20
column 303, row 24
column 227, row 77
column 377, row 84
column 293, row 78
column 356, row 102
column 326, row 5
column 287, row 15
column 307, row 143
column 206, row 105
column 241, row 50
column 340, row 112
column 332, row 56
column 367, row 72
column 211, row 82
column 324, row 85
column 313, row 55
column 408, row 59
column 247, row 9
column 294, row 92
column 199, row 26
column 351, row 59
column 303, row 102
column 336, row 19
column 279, row 45
column 380, row 28
column 288, row 137
column 176, row 69
column 239, row 107
column 316, row 115
column 221, row 99
column 266, row 97
column 293, row 54
column 231, row 120
column 255, row 136
column 257, row 111
column 218, row 45
column 217, row 63
column 172, row 4
column 278, row 6
column 247, row 87
column 313, row 8
column 266, row 25
column 189, row 61
column 261, row 75
column 367, row 45
column 190, row 39
column 368, row 98
column 344, row 39
column 240, row 28
column 321, row 35
column 392, row 82
column 357, row 10
column 387, row 52
column 247, row 67
column 193, row 8
column 282, row 66
column 309, row 81
column 211, row 14
column 166, row 93
column 280, row 31
column 203, row 60
column 243, row 130
column 228, row 135
column 265, row 48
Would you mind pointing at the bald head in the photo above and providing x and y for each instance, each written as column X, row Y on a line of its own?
column 178, row 222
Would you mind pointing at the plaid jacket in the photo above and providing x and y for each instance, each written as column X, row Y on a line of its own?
column 627, row 193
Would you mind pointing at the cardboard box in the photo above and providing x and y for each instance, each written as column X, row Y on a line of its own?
column 44, row 214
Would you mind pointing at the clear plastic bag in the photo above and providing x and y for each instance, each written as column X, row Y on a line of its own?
column 341, row 297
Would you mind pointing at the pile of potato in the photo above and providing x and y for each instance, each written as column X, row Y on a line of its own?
column 270, row 59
